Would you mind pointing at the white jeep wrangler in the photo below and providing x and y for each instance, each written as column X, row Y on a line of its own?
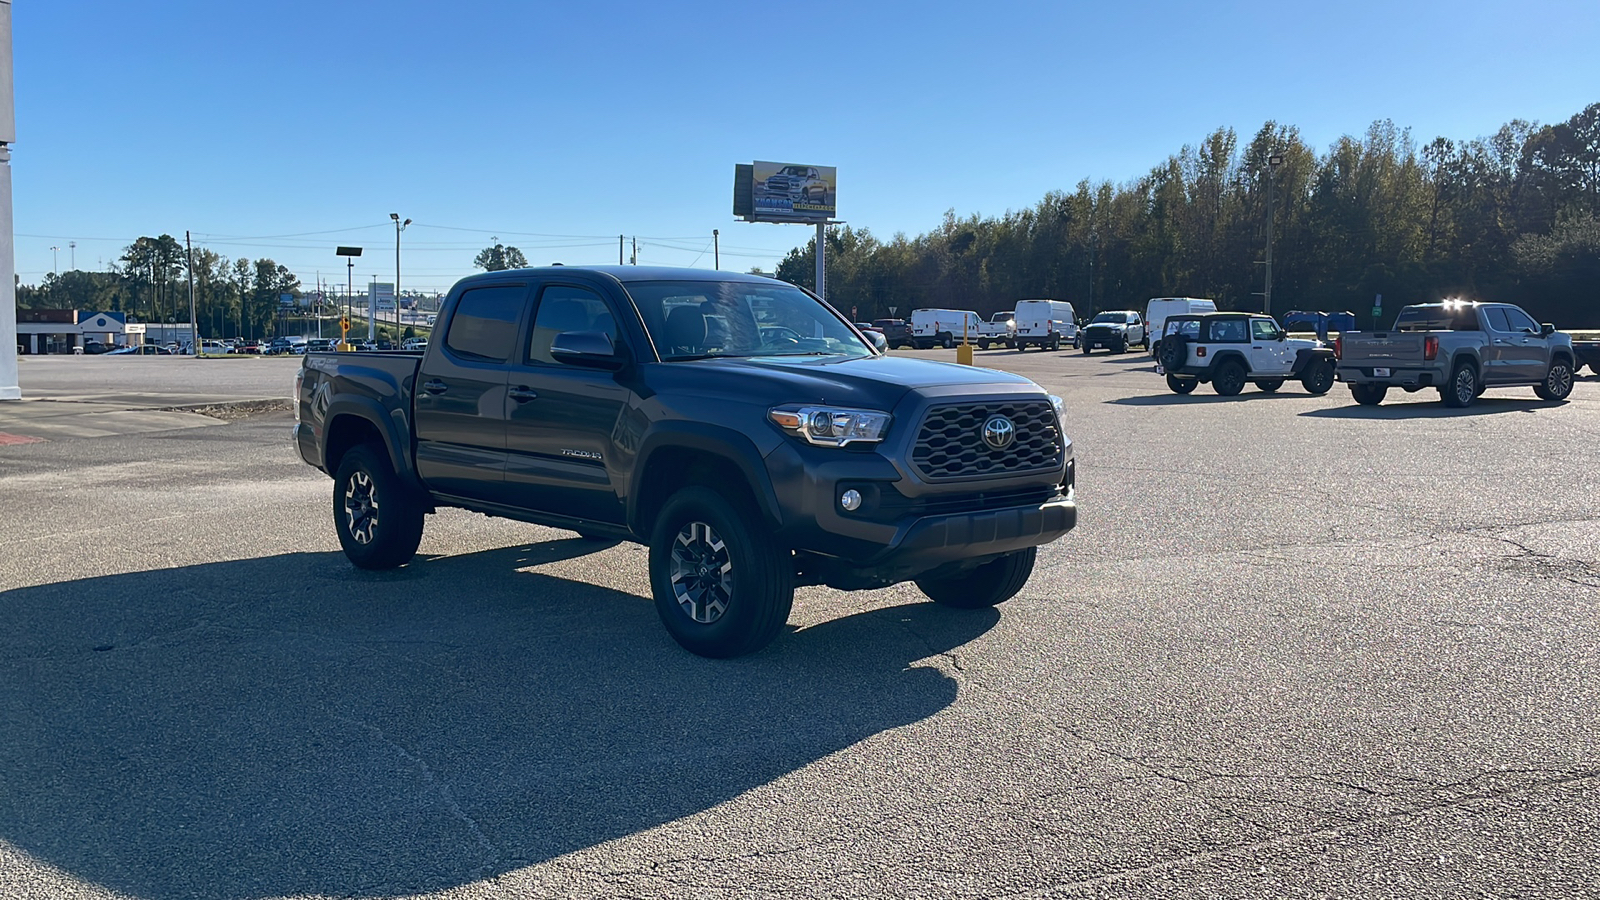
column 1230, row 349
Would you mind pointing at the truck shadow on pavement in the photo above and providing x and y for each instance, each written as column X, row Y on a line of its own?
column 1421, row 409
column 290, row 725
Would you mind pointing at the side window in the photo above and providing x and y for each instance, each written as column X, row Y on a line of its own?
column 1228, row 331
column 1263, row 330
column 566, row 308
column 1497, row 319
column 484, row 326
column 1520, row 320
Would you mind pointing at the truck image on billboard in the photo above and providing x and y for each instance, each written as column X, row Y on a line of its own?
column 790, row 192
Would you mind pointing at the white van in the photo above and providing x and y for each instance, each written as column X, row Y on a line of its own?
column 1045, row 324
column 1157, row 310
column 942, row 327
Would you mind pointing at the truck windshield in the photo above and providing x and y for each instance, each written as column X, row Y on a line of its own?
column 701, row 319
column 1118, row 318
column 1437, row 318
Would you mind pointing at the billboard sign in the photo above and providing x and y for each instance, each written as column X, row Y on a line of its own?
column 790, row 192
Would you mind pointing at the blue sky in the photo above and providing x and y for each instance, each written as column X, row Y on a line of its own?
column 281, row 129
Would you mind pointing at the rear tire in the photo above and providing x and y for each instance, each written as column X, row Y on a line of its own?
column 1369, row 394
column 1228, row 379
column 948, row 342
column 377, row 516
column 988, row 585
column 1182, row 385
column 1557, row 382
column 723, row 587
column 1462, row 388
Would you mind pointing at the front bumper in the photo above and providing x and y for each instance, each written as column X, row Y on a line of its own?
column 906, row 526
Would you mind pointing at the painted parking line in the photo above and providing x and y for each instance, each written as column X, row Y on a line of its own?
column 18, row 439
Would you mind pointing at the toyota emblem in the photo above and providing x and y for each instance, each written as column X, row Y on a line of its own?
column 999, row 432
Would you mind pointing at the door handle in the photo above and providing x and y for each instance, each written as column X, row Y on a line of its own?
column 521, row 394
column 1500, row 341
column 435, row 387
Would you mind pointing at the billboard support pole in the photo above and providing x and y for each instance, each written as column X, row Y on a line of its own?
column 822, row 260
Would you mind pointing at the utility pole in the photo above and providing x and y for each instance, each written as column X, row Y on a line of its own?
column 72, row 246
column 636, row 250
column 619, row 249
column 716, row 249
column 1273, row 162
column 194, row 318
column 9, row 389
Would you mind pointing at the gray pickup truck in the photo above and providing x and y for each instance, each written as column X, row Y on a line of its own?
column 1462, row 348
column 735, row 425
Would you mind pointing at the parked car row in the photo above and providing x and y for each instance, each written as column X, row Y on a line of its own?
column 1459, row 348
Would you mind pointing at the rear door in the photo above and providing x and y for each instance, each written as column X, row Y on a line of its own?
column 562, row 420
column 461, row 394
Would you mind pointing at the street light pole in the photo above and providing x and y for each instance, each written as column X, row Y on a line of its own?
column 399, row 226
column 53, row 251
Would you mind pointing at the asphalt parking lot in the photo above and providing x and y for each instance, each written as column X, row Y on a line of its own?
column 1295, row 648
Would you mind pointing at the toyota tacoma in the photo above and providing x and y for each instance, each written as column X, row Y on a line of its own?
column 736, row 425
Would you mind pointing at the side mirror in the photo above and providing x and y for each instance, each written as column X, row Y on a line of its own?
column 1547, row 329
column 1283, row 335
column 590, row 349
column 879, row 342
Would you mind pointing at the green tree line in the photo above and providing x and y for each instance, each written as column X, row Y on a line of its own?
column 1512, row 217
column 150, row 282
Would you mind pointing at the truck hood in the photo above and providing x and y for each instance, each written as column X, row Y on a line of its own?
column 870, row 382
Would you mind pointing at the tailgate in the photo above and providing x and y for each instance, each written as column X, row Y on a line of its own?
column 1382, row 349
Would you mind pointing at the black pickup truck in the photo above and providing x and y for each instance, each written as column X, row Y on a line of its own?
column 736, row 425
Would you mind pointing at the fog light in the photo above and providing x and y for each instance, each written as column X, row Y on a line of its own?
column 850, row 500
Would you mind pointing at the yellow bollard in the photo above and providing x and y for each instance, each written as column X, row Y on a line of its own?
column 964, row 349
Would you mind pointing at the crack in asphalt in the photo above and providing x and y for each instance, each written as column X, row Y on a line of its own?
column 445, row 796
column 1289, row 838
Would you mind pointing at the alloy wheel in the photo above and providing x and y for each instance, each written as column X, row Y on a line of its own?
column 1559, row 381
column 701, row 572
column 361, row 507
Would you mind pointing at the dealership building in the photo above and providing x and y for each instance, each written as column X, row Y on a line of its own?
column 67, row 330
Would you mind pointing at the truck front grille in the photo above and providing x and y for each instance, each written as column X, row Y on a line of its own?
column 951, row 445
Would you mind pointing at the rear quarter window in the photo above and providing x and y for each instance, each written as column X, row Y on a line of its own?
column 484, row 326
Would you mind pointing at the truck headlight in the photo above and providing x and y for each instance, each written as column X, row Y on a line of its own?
column 1061, row 422
column 831, row 426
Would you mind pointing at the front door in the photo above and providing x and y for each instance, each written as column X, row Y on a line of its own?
column 1529, row 355
column 561, row 419
column 1267, row 353
column 461, row 394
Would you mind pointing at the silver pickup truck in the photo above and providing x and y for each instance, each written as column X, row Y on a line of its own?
column 1462, row 348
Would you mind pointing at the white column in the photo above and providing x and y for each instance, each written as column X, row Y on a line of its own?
column 9, row 388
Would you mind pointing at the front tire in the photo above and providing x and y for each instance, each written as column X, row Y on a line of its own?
column 1318, row 379
column 378, row 518
column 723, row 587
column 1557, row 382
column 1369, row 394
column 987, row 585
